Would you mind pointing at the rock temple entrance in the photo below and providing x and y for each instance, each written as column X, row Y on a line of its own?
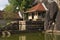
column 35, row 17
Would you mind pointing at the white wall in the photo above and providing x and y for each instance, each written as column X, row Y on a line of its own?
column 30, row 17
column 35, row 17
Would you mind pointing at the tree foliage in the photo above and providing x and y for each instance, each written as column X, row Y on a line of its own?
column 11, row 9
column 21, row 4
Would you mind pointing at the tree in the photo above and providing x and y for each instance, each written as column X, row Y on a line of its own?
column 11, row 9
column 21, row 4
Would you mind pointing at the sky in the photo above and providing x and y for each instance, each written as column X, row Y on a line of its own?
column 3, row 3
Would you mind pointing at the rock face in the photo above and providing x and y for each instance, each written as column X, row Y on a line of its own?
column 57, row 16
column 58, row 21
column 52, row 14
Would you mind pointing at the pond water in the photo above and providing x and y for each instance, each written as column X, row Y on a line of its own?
column 31, row 36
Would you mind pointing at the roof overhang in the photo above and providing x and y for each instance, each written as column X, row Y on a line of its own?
column 39, row 7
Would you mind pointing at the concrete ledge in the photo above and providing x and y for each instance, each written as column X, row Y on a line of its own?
column 55, row 32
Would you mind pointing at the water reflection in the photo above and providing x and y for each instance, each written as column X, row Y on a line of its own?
column 23, row 37
column 6, row 33
column 50, row 36
column 32, row 36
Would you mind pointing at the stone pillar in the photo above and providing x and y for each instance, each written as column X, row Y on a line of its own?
column 22, row 25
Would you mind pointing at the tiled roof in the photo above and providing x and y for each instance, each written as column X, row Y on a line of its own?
column 1, row 16
column 16, row 16
column 38, row 7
